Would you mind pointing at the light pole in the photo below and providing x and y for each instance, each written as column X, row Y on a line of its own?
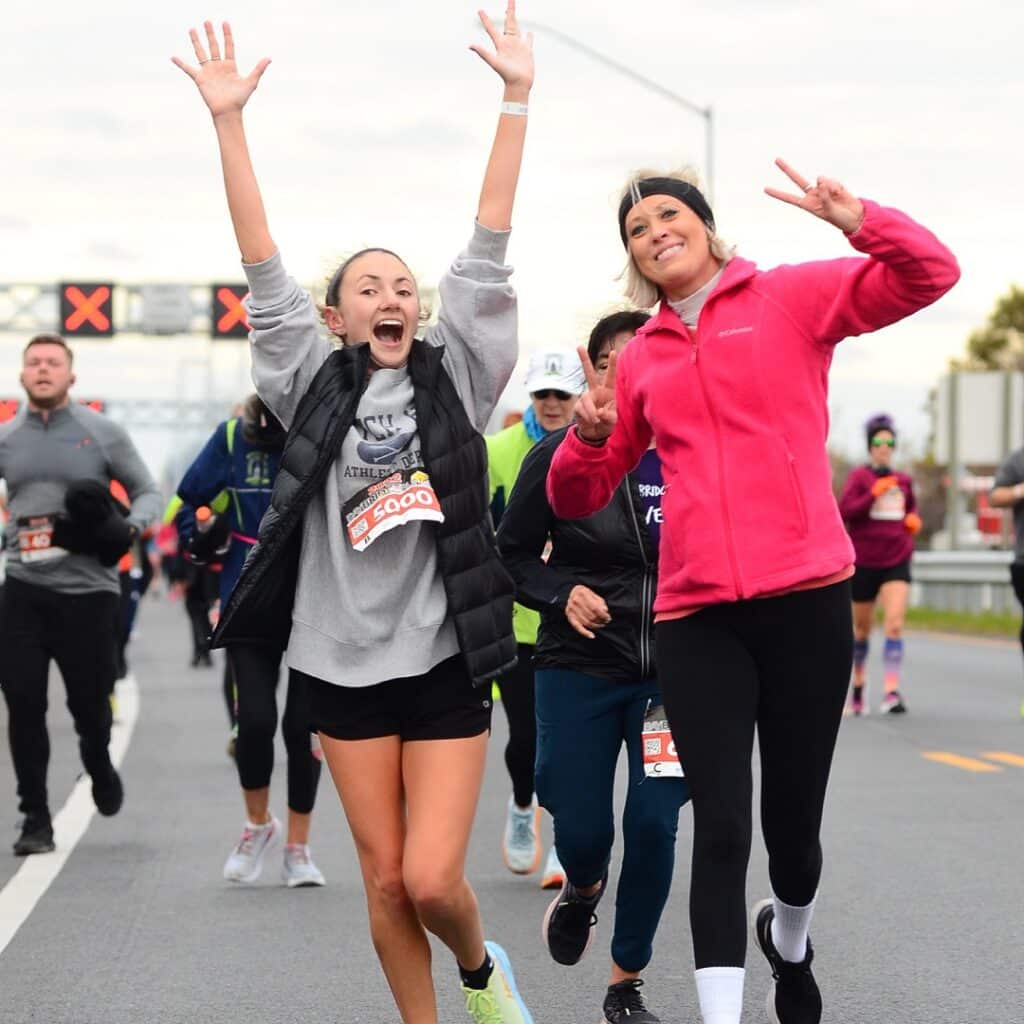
column 705, row 112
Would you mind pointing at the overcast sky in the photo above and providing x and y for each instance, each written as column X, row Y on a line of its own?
column 373, row 126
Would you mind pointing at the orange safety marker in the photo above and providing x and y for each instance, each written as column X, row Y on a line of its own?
column 87, row 308
column 234, row 310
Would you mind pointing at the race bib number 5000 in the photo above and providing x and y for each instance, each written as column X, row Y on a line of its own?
column 660, row 758
column 404, row 496
column 35, row 540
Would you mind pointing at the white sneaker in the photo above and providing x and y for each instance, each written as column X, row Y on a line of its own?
column 298, row 868
column 554, row 874
column 246, row 860
column 520, row 846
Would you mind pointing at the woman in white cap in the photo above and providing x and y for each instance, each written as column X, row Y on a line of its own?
column 554, row 381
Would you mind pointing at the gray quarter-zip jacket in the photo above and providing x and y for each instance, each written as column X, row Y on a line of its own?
column 39, row 459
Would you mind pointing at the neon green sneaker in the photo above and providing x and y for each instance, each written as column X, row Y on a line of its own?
column 500, row 1002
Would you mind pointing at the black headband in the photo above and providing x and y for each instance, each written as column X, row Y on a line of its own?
column 687, row 194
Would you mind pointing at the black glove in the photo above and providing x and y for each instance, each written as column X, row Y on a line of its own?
column 211, row 546
column 95, row 523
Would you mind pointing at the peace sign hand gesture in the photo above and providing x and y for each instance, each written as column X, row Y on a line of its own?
column 513, row 52
column 223, row 89
column 827, row 199
column 596, row 414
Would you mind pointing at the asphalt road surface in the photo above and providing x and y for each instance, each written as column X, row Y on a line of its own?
column 920, row 916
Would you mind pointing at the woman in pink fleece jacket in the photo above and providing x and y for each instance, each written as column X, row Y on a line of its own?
column 753, row 605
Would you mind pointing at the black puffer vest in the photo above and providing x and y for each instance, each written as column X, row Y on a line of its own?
column 478, row 588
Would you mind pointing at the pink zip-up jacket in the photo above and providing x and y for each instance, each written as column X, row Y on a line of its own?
column 739, row 408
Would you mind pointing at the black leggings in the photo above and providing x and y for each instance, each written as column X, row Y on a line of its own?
column 1017, row 579
column 782, row 664
column 256, row 673
column 517, row 697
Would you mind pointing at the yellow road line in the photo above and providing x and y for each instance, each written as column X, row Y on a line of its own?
column 967, row 764
column 1005, row 758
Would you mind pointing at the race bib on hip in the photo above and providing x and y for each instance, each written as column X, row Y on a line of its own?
column 35, row 540
column 403, row 497
column 660, row 758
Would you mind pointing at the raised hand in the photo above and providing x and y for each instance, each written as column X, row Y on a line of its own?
column 223, row 89
column 596, row 414
column 827, row 199
column 513, row 52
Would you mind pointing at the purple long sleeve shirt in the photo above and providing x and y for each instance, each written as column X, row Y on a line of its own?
column 880, row 538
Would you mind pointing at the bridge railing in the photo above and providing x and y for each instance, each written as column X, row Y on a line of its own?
column 963, row 581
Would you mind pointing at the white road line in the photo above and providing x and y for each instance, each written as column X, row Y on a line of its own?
column 25, row 889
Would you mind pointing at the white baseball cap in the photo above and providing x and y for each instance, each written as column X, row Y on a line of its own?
column 558, row 370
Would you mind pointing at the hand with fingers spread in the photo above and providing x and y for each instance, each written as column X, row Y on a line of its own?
column 512, row 57
column 595, row 411
column 223, row 89
column 826, row 198
column 586, row 611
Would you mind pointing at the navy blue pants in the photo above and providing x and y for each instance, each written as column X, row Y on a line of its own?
column 582, row 722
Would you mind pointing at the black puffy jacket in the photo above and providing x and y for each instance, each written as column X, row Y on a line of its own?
column 611, row 552
column 478, row 588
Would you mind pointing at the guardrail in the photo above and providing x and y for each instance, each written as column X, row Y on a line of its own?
column 963, row 581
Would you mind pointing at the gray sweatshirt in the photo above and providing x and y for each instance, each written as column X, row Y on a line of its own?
column 38, row 459
column 365, row 616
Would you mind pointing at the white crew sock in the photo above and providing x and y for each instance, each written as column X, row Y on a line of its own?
column 789, row 930
column 720, row 994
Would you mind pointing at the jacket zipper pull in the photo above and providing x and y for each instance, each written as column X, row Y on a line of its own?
column 693, row 355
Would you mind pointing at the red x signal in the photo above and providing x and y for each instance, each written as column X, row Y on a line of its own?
column 85, row 309
column 229, row 320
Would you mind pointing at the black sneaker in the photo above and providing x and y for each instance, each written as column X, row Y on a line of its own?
column 108, row 793
column 36, row 835
column 569, row 923
column 624, row 1005
column 794, row 997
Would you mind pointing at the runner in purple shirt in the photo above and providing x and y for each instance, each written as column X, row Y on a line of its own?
column 880, row 511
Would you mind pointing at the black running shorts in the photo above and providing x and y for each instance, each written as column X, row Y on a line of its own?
column 442, row 704
column 867, row 582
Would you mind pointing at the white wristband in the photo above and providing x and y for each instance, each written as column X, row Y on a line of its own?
column 516, row 109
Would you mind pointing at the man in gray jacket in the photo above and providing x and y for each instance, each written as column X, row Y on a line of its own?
column 64, row 537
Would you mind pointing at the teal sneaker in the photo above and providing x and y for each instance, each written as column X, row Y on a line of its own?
column 500, row 1002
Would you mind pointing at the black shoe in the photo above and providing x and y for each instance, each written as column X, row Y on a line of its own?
column 794, row 997
column 569, row 923
column 108, row 793
column 36, row 835
column 624, row 1005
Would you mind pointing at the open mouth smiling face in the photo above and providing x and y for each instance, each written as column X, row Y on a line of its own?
column 377, row 303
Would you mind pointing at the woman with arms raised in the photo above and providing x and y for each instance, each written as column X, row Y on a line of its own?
column 376, row 562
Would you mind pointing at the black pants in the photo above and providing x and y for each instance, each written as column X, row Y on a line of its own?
column 517, row 697
column 1017, row 579
column 781, row 664
column 79, row 632
column 256, row 673
column 201, row 589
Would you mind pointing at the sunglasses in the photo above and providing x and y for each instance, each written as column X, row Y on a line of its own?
column 562, row 396
column 884, row 442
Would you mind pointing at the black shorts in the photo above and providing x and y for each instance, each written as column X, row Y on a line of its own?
column 442, row 704
column 867, row 582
